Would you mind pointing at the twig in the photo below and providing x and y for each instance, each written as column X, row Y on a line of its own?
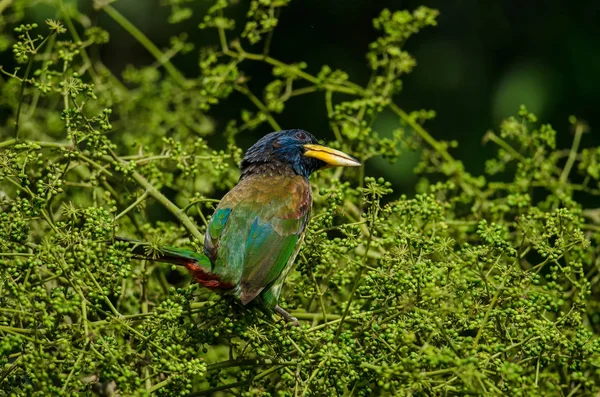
column 211, row 391
column 572, row 153
column 158, row 196
column 363, row 262
column 146, row 42
column 133, row 205
column 168, row 204
column 24, row 81
column 500, row 142
column 259, row 105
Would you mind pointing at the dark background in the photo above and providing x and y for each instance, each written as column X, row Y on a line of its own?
column 475, row 68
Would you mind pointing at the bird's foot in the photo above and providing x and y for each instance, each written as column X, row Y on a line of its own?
column 286, row 316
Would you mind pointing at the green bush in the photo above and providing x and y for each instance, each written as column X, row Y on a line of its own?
column 479, row 284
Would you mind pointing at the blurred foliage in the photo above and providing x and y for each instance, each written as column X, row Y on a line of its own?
column 482, row 283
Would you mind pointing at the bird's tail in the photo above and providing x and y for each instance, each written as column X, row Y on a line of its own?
column 199, row 265
column 176, row 256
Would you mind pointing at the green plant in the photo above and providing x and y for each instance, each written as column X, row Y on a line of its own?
column 479, row 284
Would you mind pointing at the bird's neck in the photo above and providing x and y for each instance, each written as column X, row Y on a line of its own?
column 272, row 168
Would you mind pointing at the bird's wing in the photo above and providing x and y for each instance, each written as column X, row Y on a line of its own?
column 267, row 254
column 256, row 229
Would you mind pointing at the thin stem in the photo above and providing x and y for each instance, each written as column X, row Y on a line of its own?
column 329, row 106
column 422, row 133
column 95, row 164
column 259, row 105
column 144, row 306
column 24, row 81
column 14, row 330
column 15, row 364
column 359, row 274
column 246, row 363
column 312, row 376
column 572, row 393
column 84, row 319
column 314, row 316
column 7, row 143
column 302, row 91
column 269, row 38
column 73, row 370
column 146, row 42
column 36, row 96
column 73, row 32
column 113, row 309
column 12, row 142
column 164, row 157
column 161, row 198
column 212, row 391
column 223, row 40
column 489, row 311
column 573, row 153
column 537, row 369
column 320, row 294
column 349, row 88
column 124, row 317
column 200, row 200
column 168, row 204
column 500, row 142
column 133, row 205
column 159, row 385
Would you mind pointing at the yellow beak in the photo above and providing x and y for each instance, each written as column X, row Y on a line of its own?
column 332, row 157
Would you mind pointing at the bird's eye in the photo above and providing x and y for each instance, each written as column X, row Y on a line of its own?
column 301, row 135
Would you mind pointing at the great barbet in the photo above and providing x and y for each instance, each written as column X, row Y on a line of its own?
column 257, row 229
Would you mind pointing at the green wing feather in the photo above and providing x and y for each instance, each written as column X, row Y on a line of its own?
column 267, row 254
column 270, row 295
column 255, row 231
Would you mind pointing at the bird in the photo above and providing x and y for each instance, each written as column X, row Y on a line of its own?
column 257, row 229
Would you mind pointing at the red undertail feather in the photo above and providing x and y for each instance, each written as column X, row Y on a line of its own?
column 206, row 279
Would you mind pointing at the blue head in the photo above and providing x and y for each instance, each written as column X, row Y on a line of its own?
column 296, row 149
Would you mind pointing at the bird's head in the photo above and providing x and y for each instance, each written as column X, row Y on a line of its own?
column 296, row 149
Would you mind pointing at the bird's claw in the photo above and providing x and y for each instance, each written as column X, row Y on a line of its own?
column 286, row 316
